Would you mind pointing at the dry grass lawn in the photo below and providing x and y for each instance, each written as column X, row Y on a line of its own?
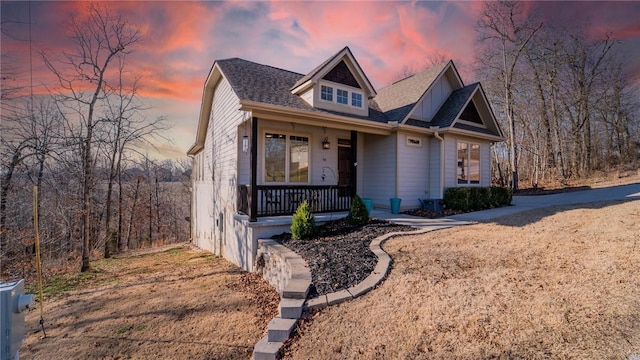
column 181, row 303
column 561, row 283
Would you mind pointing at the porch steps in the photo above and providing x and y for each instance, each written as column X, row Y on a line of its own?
column 267, row 350
column 279, row 329
column 291, row 308
column 296, row 289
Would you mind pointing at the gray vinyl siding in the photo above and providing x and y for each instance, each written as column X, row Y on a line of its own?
column 435, row 180
column 379, row 173
column 413, row 170
column 451, row 158
column 221, row 147
column 450, row 162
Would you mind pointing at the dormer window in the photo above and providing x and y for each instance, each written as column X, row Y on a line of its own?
column 343, row 97
column 356, row 99
column 326, row 93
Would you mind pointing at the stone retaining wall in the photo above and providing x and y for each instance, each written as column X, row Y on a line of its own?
column 278, row 264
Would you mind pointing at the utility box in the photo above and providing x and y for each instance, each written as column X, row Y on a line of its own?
column 13, row 303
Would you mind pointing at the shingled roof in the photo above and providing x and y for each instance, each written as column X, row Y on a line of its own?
column 448, row 112
column 397, row 99
column 270, row 85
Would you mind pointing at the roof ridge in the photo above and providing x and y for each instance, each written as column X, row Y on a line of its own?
column 257, row 63
column 443, row 64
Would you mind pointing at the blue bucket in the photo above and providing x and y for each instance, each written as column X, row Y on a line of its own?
column 368, row 203
column 395, row 205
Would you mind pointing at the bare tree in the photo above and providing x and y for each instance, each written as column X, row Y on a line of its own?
column 506, row 33
column 83, row 84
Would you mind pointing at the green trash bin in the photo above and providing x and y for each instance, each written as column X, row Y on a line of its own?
column 395, row 205
column 368, row 203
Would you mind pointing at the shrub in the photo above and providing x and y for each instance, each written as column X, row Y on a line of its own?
column 479, row 198
column 358, row 214
column 303, row 225
column 476, row 198
column 457, row 198
column 501, row 196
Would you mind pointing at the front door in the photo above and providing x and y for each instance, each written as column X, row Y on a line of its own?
column 345, row 165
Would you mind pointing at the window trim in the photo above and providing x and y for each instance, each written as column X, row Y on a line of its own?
column 334, row 94
column 468, row 166
column 287, row 158
column 414, row 141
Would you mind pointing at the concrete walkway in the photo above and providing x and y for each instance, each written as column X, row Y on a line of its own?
column 519, row 204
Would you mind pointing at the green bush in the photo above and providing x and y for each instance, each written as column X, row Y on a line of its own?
column 303, row 225
column 457, row 198
column 501, row 196
column 476, row 198
column 358, row 214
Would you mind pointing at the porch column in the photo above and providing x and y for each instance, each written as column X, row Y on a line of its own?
column 253, row 194
column 354, row 156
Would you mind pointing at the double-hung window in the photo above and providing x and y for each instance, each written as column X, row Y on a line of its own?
column 326, row 93
column 286, row 158
column 356, row 99
column 468, row 172
column 343, row 97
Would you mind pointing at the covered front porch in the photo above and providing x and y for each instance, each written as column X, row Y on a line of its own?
column 282, row 163
column 276, row 200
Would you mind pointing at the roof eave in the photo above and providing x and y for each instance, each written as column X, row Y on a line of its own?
column 215, row 74
column 299, row 115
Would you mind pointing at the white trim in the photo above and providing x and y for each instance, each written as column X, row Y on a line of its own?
column 287, row 134
column 468, row 166
column 470, row 123
column 414, row 141
column 334, row 93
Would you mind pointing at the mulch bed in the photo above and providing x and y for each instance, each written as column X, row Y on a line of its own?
column 339, row 257
column 426, row 213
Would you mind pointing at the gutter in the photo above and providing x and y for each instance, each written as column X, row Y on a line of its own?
column 296, row 115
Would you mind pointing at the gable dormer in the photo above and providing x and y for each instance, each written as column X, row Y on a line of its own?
column 338, row 84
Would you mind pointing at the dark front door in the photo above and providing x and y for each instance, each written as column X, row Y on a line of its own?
column 345, row 166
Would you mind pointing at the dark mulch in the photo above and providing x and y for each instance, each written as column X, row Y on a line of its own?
column 339, row 257
column 426, row 213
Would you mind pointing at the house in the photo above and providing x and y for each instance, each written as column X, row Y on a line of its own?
column 268, row 139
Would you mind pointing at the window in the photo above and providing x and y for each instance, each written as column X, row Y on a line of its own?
column 356, row 99
column 298, row 159
column 286, row 159
column 468, row 163
column 343, row 97
column 274, row 157
column 326, row 93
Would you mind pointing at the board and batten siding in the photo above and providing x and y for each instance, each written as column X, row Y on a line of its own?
column 379, row 173
column 432, row 100
column 413, row 170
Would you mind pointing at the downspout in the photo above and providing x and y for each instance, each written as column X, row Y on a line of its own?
column 437, row 136
column 191, row 202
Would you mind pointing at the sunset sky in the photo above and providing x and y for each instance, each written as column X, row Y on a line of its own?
column 182, row 40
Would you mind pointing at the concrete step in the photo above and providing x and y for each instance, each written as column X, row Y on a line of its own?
column 291, row 308
column 266, row 350
column 279, row 329
column 296, row 289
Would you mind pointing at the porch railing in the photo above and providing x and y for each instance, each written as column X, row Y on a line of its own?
column 274, row 200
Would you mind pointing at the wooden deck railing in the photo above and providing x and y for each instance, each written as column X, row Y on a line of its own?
column 274, row 200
